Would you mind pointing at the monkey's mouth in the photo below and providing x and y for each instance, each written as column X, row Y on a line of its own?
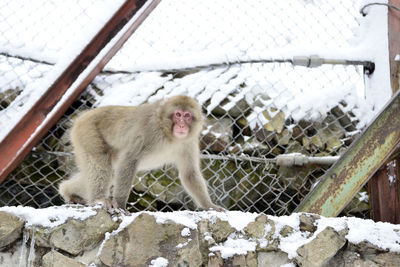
column 181, row 134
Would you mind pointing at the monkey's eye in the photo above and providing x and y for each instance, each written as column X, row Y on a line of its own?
column 178, row 114
column 186, row 115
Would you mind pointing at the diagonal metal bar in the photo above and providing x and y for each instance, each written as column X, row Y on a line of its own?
column 23, row 137
column 363, row 158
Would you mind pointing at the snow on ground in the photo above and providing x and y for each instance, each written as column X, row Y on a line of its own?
column 159, row 262
column 50, row 217
column 383, row 235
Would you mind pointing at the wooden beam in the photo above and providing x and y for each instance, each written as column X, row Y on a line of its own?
column 394, row 43
column 384, row 194
column 23, row 137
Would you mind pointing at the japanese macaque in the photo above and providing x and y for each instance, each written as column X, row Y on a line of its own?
column 112, row 143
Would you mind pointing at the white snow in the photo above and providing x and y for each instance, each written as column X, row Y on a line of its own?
column 383, row 235
column 234, row 246
column 159, row 262
column 185, row 232
column 51, row 216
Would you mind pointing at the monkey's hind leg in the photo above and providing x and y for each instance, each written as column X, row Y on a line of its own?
column 74, row 190
column 97, row 172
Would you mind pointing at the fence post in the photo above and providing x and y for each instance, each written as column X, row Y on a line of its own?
column 384, row 186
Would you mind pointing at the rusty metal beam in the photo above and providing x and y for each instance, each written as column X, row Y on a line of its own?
column 363, row 158
column 23, row 137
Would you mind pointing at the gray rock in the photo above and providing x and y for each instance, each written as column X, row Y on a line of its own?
column 144, row 240
column 56, row 259
column 321, row 249
column 257, row 229
column 350, row 258
column 76, row 236
column 307, row 222
column 220, row 230
column 10, row 228
column 272, row 259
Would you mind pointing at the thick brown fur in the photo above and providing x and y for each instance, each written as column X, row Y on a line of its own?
column 112, row 143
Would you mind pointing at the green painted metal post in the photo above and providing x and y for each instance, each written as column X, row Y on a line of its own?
column 363, row 158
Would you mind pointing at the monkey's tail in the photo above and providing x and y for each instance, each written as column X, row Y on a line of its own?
column 74, row 189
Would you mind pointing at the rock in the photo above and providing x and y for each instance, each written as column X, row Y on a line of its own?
column 213, row 144
column 8, row 96
column 240, row 183
column 220, row 230
column 295, row 176
column 344, row 118
column 321, row 249
column 276, row 120
column 161, row 185
column 53, row 259
column 75, row 236
column 232, row 105
column 258, row 228
column 359, row 203
column 220, row 128
column 265, row 136
column 145, row 239
column 272, row 259
column 218, row 134
column 284, row 137
column 307, row 222
column 215, row 260
column 244, row 126
column 350, row 258
column 251, row 259
column 286, row 231
column 386, row 259
column 10, row 228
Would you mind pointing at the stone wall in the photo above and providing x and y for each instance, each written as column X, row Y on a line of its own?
column 76, row 236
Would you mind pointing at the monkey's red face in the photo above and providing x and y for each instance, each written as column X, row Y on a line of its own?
column 182, row 120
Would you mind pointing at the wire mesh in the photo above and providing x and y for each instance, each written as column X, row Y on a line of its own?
column 254, row 111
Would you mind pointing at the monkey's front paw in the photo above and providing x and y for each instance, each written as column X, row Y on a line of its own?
column 216, row 208
column 105, row 203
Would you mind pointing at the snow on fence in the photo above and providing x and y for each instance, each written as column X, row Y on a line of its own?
column 252, row 66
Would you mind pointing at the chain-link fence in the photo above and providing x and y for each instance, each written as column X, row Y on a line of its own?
column 257, row 107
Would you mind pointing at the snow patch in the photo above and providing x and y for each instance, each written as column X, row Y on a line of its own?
column 51, row 216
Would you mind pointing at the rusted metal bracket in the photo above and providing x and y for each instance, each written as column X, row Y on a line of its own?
column 363, row 158
column 20, row 141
